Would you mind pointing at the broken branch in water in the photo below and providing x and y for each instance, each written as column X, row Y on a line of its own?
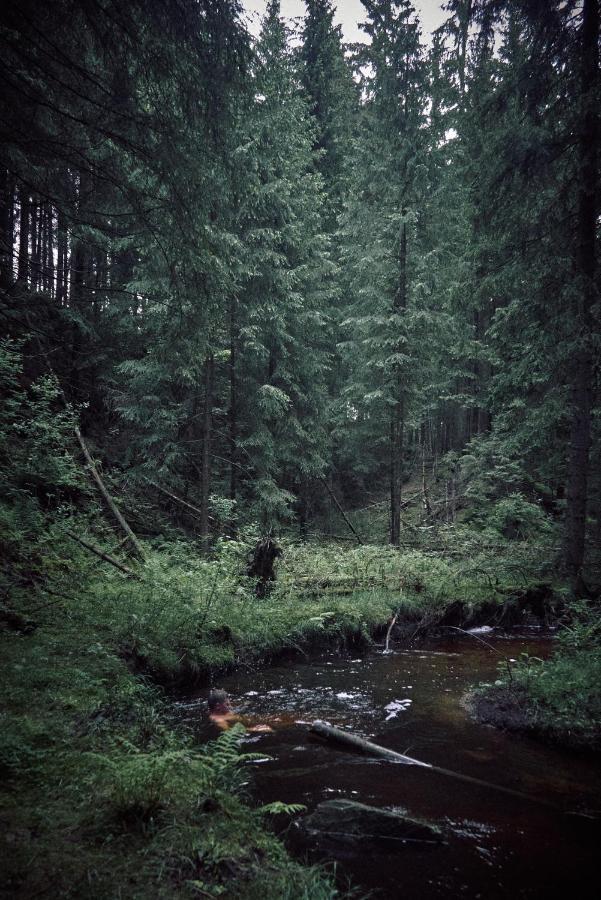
column 390, row 627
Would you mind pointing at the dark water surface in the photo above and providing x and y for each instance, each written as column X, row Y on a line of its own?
column 410, row 700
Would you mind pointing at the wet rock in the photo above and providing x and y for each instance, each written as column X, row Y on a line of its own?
column 348, row 822
column 507, row 708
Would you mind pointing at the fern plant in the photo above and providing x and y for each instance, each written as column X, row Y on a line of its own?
column 278, row 808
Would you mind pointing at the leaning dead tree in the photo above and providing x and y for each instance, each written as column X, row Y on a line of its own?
column 130, row 536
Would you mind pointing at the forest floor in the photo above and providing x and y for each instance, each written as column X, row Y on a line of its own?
column 103, row 794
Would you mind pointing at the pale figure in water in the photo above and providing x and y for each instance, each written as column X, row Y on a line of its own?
column 222, row 714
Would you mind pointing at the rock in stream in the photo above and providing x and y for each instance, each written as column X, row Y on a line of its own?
column 348, row 822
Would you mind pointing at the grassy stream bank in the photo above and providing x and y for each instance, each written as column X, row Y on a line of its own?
column 102, row 795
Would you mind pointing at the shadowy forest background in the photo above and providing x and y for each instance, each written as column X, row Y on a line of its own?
column 254, row 270
column 279, row 294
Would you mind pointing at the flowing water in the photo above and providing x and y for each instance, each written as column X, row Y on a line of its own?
column 495, row 845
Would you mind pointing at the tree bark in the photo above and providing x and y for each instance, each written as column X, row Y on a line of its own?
column 397, row 420
column 107, row 497
column 586, row 268
column 61, row 260
column 24, row 214
column 207, row 420
column 233, row 408
column 102, row 555
column 360, row 744
column 6, row 228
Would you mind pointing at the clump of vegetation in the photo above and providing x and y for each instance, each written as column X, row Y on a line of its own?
column 558, row 698
column 99, row 788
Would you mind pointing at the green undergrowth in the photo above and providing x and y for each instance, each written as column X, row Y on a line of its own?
column 558, row 699
column 187, row 617
column 101, row 797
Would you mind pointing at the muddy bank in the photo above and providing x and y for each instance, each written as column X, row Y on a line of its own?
column 230, row 655
column 224, row 651
column 513, row 709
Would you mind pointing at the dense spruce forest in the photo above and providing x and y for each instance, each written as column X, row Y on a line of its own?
column 300, row 345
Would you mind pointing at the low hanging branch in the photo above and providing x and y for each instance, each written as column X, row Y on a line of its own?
column 340, row 510
column 131, row 538
column 102, row 555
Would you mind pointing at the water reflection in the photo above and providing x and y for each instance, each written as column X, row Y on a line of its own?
column 496, row 846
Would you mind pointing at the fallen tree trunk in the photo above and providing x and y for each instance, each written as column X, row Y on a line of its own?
column 362, row 745
column 341, row 511
column 102, row 555
column 355, row 742
column 131, row 538
column 193, row 509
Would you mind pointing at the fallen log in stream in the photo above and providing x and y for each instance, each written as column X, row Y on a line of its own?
column 362, row 745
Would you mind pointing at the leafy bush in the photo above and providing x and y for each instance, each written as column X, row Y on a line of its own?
column 559, row 697
column 37, row 469
column 141, row 786
column 516, row 518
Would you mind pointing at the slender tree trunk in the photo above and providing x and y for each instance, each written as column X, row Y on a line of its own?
column 206, row 452
column 233, row 408
column 33, row 243
column 586, row 262
column 465, row 18
column 397, row 421
column 36, row 242
column 79, row 272
column 6, row 228
column 61, row 260
column 47, row 249
column 25, row 206
column 78, row 268
column 482, row 419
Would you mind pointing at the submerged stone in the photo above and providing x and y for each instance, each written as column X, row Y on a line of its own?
column 350, row 822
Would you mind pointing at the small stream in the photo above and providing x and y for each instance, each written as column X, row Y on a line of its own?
column 496, row 846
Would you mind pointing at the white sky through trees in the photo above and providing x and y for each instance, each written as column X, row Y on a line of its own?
column 348, row 14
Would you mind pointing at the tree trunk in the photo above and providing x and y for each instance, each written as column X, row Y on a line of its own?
column 233, row 409
column 47, row 247
column 6, row 228
column 61, row 260
column 34, row 260
column 465, row 19
column 397, row 421
column 80, row 252
column 132, row 539
column 586, row 265
column 360, row 744
column 23, row 266
column 206, row 452
column 78, row 268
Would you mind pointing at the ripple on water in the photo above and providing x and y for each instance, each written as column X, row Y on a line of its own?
column 537, row 854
